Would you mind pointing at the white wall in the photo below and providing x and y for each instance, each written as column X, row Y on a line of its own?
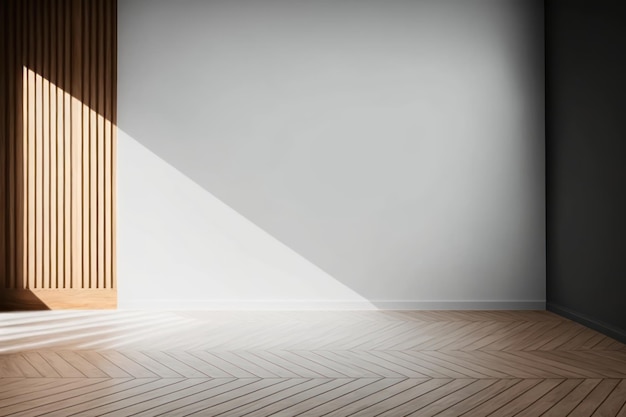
column 346, row 153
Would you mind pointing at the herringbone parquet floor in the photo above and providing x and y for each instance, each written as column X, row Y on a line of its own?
column 372, row 363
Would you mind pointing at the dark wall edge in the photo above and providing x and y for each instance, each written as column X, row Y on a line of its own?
column 600, row 326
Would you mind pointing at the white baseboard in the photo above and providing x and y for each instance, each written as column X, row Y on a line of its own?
column 461, row 305
column 174, row 304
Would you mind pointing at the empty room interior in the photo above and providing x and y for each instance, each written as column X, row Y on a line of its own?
column 312, row 208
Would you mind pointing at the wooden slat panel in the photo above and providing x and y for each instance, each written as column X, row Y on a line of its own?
column 10, row 160
column 57, row 148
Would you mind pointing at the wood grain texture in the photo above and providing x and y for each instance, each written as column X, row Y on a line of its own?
column 385, row 363
column 57, row 150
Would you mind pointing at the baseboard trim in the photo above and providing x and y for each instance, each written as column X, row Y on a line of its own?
column 598, row 325
column 57, row 299
column 461, row 305
column 173, row 304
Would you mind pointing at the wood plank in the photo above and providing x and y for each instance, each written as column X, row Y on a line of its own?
column 60, row 365
column 542, row 404
column 542, row 369
column 594, row 399
column 104, row 365
column 528, row 398
column 277, row 359
column 9, row 369
column 242, row 398
column 314, row 366
column 179, row 404
column 84, row 366
column 272, row 366
column 165, row 402
column 388, row 401
column 176, row 365
column 16, row 386
column 280, row 400
column 35, row 389
column 480, row 397
column 40, row 364
column 502, row 398
column 571, row 400
column 447, row 401
column 35, row 399
column 94, row 403
column 614, row 402
column 200, row 365
column 464, row 370
column 336, row 398
column 408, row 402
column 142, row 401
column 133, row 368
column 410, row 368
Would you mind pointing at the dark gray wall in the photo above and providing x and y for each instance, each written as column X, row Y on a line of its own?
column 586, row 162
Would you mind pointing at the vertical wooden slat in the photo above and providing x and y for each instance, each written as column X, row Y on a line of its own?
column 113, row 93
column 67, row 80
column 4, row 114
column 30, row 143
column 79, row 135
column 108, row 68
column 52, row 156
column 19, row 148
column 57, row 148
column 59, row 156
column 23, row 140
column 93, row 145
column 84, row 146
column 10, row 146
column 101, row 145
column 45, row 145
column 38, row 161
column 9, row 160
